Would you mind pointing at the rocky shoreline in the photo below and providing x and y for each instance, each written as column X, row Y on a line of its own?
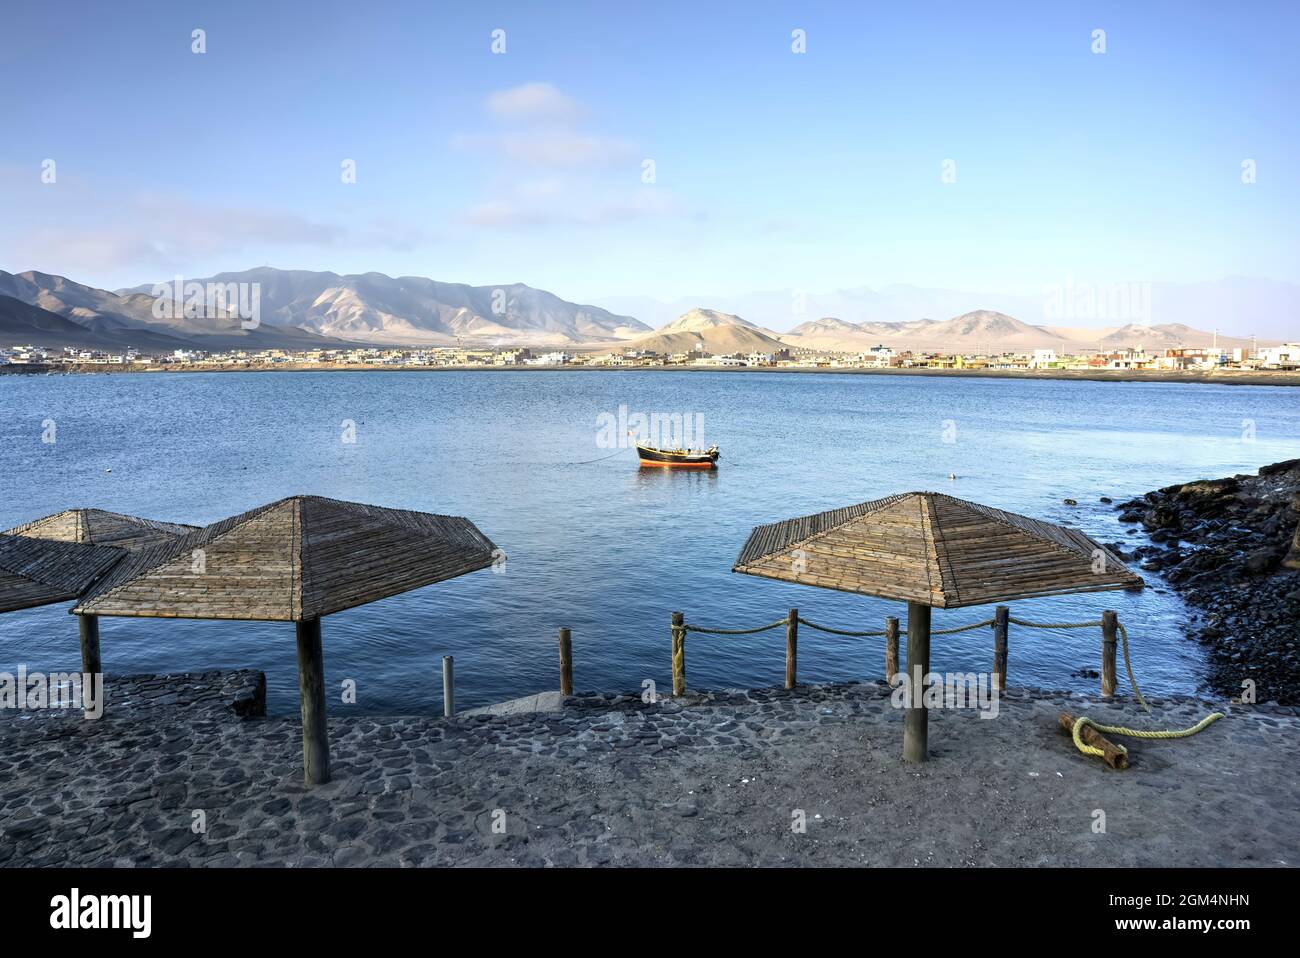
column 182, row 771
column 1231, row 548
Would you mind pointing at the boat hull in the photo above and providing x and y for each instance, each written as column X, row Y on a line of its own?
column 661, row 459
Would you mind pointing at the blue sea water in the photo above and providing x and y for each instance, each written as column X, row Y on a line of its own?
column 603, row 547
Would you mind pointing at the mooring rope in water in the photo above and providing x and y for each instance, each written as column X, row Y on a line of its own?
column 587, row 462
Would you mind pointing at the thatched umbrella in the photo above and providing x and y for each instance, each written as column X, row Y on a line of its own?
column 931, row 551
column 40, row 571
column 99, row 528
column 294, row 560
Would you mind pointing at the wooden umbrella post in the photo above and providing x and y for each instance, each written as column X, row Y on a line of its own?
column 891, row 648
column 679, row 654
column 792, row 649
column 90, row 661
column 311, row 684
column 1109, row 629
column 566, row 663
column 915, row 717
column 1000, row 616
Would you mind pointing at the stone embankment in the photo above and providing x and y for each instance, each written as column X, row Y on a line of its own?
column 1231, row 548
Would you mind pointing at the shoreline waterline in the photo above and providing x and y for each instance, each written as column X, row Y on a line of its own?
column 1213, row 378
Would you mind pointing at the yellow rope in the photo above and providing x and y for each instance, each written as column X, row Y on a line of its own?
column 1133, row 732
column 1128, row 667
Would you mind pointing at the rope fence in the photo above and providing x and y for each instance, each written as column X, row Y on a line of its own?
column 1111, row 631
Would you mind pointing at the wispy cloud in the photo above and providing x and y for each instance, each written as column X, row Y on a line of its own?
column 533, row 101
column 552, row 168
column 522, row 212
column 87, row 227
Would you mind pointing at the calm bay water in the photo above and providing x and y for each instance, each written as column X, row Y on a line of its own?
column 603, row 547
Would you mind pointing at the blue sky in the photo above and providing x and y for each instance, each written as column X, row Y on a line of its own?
column 773, row 169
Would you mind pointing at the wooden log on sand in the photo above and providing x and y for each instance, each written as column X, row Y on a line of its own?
column 1113, row 755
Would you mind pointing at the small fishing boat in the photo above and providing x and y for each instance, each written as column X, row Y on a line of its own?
column 679, row 458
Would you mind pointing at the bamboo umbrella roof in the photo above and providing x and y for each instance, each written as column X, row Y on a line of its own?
column 40, row 571
column 934, row 549
column 97, row 527
column 292, row 560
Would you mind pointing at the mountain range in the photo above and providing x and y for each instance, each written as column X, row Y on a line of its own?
column 982, row 330
column 412, row 310
column 301, row 309
column 1240, row 306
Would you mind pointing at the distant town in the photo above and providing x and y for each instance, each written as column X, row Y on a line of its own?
column 33, row 358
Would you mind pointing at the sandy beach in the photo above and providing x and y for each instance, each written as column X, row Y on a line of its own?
column 711, row 779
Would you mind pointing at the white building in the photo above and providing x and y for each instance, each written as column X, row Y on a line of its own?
column 881, row 355
column 1286, row 356
column 550, row 359
column 1042, row 359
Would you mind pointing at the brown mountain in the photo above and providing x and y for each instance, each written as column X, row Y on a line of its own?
column 984, row 330
column 413, row 310
column 709, row 331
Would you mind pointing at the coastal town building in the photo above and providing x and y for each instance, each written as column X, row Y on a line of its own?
column 1286, row 356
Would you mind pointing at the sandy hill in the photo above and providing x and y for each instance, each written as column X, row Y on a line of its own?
column 709, row 331
column 985, row 330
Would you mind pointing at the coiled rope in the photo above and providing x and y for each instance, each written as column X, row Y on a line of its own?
column 1086, row 749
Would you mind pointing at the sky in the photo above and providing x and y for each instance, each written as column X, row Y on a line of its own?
column 656, row 149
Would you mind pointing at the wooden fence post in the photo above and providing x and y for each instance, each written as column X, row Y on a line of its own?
column 1108, row 633
column 891, row 648
column 448, row 686
column 1000, row 616
column 679, row 654
column 566, row 663
column 792, row 649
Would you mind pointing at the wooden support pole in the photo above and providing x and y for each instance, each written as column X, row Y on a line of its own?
column 566, row 663
column 311, row 686
column 891, row 648
column 448, row 686
column 916, row 719
column 792, row 649
column 1108, row 634
column 679, row 654
column 1114, row 756
column 90, row 661
column 1000, row 616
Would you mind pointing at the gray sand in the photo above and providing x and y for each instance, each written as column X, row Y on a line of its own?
column 716, row 779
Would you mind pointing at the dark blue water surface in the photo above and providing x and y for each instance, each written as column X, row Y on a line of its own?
column 605, row 548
